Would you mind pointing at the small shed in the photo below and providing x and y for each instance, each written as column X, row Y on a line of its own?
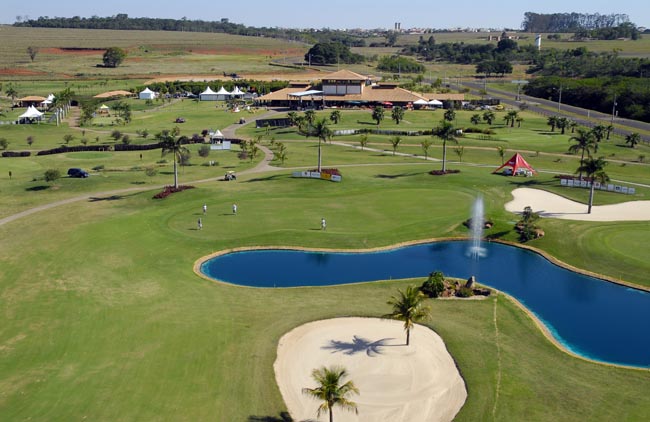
column 208, row 95
column 103, row 109
column 147, row 94
column 218, row 141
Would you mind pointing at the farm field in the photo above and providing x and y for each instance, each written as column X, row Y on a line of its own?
column 104, row 319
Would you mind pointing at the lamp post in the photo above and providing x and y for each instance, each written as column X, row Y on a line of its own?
column 613, row 109
column 559, row 100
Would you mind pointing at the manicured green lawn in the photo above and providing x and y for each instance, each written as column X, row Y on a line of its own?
column 103, row 317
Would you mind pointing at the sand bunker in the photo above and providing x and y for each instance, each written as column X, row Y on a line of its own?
column 419, row 382
column 548, row 204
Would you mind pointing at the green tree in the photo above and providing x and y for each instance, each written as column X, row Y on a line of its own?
column 51, row 175
column 489, row 117
column 397, row 114
column 310, row 117
column 599, row 132
column 583, row 142
column 475, row 119
column 4, row 144
column 434, row 285
column 633, row 139
column 174, row 146
column 204, row 151
column 378, row 114
column 32, row 52
column 408, row 307
column 562, row 124
column 113, row 57
column 450, row 115
column 594, row 168
column 459, row 151
column 395, row 141
column 609, row 129
column 552, row 122
column 331, row 392
column 67, row 138
column 519, row 119
column 445, row 131
column 363, row 140
column 11, row 93
column 30, row 140
column 323, row 133
column 511, row 117
column 502, row 153
column 426, row 144
column 335, row 116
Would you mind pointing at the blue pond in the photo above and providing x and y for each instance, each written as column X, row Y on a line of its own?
column 591, row 317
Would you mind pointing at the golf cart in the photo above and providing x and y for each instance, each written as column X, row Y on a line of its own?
column 230, row 175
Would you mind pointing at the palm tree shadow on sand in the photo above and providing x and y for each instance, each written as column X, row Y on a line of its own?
column 358, row 345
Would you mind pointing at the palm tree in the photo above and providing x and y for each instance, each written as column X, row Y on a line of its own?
column 599, row 132
column 562, row 123
column 395, row 141
column 475, row 119
column 552, row 122
column 12, row 93
column 378, row 114
column 407, row 307
column 632, row 139
column 573, row 125
column 335, row 116
column 584, row 141
column 502, row 153
column 397, row 114
column 293, row 118
column 450, row 115
column 595, row 170
column 426, row 144
column 511, row 117
column 489, row 117
column 330, row 392
column 446, row 132
column 174, row 146
column 310, row 116
column 609, row 129
column 519, row 119
column 323, row 133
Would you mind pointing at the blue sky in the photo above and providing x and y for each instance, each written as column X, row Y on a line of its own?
column 335, row 14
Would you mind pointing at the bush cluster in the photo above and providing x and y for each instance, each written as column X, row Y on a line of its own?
column 168, row 190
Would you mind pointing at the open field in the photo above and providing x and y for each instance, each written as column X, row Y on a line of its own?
column 104, row 319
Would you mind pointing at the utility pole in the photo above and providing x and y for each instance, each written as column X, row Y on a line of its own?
column 559, row 100
column 613, row 109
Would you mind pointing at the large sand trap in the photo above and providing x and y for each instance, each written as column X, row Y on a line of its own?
column 419, row 382
column 548, row 204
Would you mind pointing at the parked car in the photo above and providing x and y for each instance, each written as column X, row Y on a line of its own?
column 76, row 172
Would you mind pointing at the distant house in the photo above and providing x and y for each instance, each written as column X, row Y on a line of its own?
column 147, row 94
column 349, row 89
column 31, row 101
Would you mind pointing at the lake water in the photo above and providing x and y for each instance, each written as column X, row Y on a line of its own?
column 591, row 317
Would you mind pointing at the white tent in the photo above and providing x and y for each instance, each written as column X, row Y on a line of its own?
column 435, row 103
column 420, row 102
column 237, row 92
column 104, row 109
column 31, row 113
column 147, row 94
column 208, row 95
column 223, row 94
column 218, row 141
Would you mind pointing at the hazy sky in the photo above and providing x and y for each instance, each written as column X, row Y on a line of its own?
column 335, row 14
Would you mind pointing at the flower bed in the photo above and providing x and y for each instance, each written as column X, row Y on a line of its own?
column 168, row 190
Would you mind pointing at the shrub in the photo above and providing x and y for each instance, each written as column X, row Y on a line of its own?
column 116, row 134
column 442, row 173
column 434, row 285
column 99, row 167
column 204, row 151
column 151, row 171
column 168, row 190
column 4, row 144
column 51, row 175
column 464, row 292
column 126, row 139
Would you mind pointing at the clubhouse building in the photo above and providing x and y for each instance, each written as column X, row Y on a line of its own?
column 349, row 89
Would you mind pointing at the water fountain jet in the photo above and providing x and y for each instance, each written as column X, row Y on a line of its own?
column 476, row 226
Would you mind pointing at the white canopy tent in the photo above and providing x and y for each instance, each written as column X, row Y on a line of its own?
column 223, row 94
column 208, row 95
column 435, row 103
column 147, row 94
column 218, row 141
column 30, row 115
column 237, row 92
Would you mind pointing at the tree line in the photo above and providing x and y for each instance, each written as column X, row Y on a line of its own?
column 570, row 22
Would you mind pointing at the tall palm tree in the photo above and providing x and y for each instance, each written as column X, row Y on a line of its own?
column 174, row 146
column 475, row 119
column 450, row 115
column 323, row 133
column 12, row 93
column 585, row 142
column 489, row 117
column 331, row 392
column 552, row 122
column 335, row 116
column 632, row 139
column 445, row 131
column 310, row 116
column 573, row 125
column 595, row 170
column 599, row 132
column 407, row 307
column 378, row 114
column 397, row 114
column 511, row 117
column 562, row 123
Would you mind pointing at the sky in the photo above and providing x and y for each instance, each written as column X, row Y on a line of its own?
column 334, row 14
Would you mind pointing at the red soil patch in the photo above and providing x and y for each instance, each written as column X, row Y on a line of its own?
column 14, row 71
